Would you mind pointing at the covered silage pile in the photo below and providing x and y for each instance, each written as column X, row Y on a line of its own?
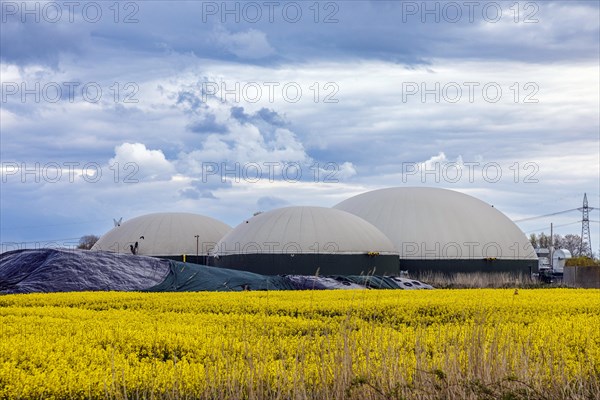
column 57, row 270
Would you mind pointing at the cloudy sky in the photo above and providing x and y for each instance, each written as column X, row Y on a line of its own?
column 114, row 110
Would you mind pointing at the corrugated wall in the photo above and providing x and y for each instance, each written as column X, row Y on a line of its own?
column 582, row 277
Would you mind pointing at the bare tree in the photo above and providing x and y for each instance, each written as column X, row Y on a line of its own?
column 86, row 242
column 534, row 241
column 573, row 243
column 543, row 241
column 569, row 242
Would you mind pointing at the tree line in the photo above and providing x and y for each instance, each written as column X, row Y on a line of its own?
column 570, row 242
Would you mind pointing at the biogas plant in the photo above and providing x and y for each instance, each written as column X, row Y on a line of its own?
column 385, row 232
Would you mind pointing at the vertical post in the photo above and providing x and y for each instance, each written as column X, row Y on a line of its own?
column 552, row 246
column 197, row 243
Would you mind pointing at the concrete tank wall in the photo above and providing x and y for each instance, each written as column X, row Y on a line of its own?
column 453, row 266
column 309, row 264
column 582, row 277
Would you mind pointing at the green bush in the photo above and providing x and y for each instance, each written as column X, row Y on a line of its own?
column 582, row 262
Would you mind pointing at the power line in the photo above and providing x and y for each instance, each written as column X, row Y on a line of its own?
column 556, row 213
column 556, row 226
column 546, row 215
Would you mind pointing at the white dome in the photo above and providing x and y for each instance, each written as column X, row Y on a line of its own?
column 431, row 223
column 304, row 230
column 164, row 234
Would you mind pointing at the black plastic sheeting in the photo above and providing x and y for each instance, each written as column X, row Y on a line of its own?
column 186, row 277
column 312, row 282
column 371, row 281
column 50, row 270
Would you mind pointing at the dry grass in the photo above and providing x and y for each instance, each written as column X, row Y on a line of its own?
column 480, row 280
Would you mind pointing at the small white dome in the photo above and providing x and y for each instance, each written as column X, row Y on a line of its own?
column 164, row 234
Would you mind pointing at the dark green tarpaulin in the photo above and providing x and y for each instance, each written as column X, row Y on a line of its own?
column 185, row 277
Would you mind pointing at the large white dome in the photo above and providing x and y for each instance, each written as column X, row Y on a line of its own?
column 431, row 223
column 304, row 230
column 164, row 234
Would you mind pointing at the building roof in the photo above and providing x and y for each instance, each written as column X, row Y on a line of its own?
column 430, row 223
column 297, row 230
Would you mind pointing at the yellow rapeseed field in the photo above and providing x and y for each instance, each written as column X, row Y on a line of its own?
column 369, row 344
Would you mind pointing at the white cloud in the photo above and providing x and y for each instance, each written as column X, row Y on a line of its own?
column 346, row 170
column 244, row 144
column 250, row 44
column 151, row 164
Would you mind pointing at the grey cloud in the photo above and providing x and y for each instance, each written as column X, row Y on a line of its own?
column 270, row 202
column 266, row 115
column 190, row 101
column 364, row 30
column 195, row 194
column 207, row 124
